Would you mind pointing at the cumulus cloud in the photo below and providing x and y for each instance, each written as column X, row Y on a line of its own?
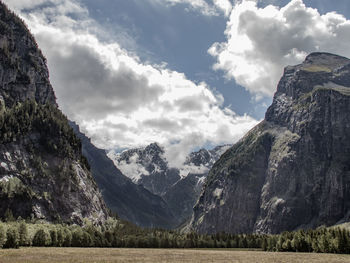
column 24, row 4
column 120, row 101
column 261, row 41
column 223, row 5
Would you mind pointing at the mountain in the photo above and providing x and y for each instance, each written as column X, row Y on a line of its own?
column 43, row 173
column 179, row 187
column 130, row 201
column 148, row 167
column 292, row 170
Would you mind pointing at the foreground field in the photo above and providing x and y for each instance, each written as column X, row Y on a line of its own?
column 39, row 255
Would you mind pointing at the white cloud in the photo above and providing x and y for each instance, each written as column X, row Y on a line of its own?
column 24, row 4
column 213, row 8
column 223, row 5
column 121, row 102
column 132, row 169
column 261, row 41
column 193, row 169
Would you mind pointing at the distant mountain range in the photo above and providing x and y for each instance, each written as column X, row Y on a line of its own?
column 179, row 187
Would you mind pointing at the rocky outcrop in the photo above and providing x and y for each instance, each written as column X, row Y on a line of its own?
column 291, row 171
column 130, row 201
column 43, row 174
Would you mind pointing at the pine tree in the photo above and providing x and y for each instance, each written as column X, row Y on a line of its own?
column 8, row 213
column 41, row 238
column 23, row 234
column 264, row 244
column 12, row 238
column 54, row 240
column 60, row 237
column 77, row 238
column 67, row 238
column 2, row 235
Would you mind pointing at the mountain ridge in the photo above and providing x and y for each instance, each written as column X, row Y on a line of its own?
column 292, row 170
column 179, row 187
column 43, row 174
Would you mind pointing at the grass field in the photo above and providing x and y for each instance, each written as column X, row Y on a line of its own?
column 39, row 255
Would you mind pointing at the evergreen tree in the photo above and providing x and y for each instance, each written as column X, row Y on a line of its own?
column 8, row 213
column 77, row 238
column 67, row 238
column 264, row 244
column 2, row 235
column 23, row 234
column 87, row 240
column 324, row 244
column 60, row 237
column 54, row 240
column 12, row 238
column 41, row 238
column 108, row 238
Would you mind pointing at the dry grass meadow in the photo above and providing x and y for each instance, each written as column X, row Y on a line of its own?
column 75, row 255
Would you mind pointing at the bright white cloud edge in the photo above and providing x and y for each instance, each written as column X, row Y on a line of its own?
column 119, row 101
column 262, row 41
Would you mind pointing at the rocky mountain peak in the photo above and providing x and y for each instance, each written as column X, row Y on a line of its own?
column 154, row 148
column 317, row 69
column 326, row 60
column 301, row 85
column 23, row 71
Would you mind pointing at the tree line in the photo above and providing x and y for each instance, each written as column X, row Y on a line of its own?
column 119, row 233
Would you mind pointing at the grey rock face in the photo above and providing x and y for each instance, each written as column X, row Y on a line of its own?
column 23, row 70
column 42, row 172
column 60, row 190
column 292, row 170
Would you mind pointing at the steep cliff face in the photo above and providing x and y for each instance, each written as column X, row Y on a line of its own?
column 23, row 70
column 293, row 169
column 42, row 171
column 130, row 201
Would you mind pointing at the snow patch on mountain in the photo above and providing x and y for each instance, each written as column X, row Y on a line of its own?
column 131, row 168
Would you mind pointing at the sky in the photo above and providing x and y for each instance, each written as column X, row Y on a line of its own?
column 183, row 73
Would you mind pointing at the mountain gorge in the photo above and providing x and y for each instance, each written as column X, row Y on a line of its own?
column 292, row 170
column 50, row 170
column 179, row 187
column 43, row 174
column 130, row 201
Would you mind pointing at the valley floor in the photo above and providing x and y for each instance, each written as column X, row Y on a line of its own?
column 39, row 255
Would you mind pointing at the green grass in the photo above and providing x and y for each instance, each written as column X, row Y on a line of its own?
column 39, row 255
column 317, row 68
